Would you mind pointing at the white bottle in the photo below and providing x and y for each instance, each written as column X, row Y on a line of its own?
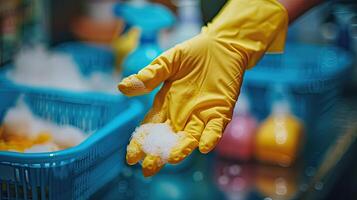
column 101, row 10
column 188, row 25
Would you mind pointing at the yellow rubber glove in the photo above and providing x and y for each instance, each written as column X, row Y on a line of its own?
column 202, row 76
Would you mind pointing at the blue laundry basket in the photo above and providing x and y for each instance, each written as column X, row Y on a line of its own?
column 313, row 77
column 77, row 172
column 89, row 57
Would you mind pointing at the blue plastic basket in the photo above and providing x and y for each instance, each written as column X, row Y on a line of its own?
column 77, row 172
column 72, row 96
column 89, row 57
column 313, row 76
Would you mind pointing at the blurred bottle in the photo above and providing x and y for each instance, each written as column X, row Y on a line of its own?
column 99, row 25
column 36, row 25
column 101, row 10
column 188, row 25
column 238, row 138
column 279, row 137
column 150, row 19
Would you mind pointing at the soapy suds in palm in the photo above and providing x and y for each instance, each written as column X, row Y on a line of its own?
column 157, row 139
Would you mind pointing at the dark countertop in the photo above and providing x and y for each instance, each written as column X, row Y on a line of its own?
column 328, row 153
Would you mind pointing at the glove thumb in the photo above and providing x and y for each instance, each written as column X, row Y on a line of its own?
column 151, row 76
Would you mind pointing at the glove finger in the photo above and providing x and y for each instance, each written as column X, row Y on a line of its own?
column 151, row 76
column 195, row 127
column 132, row 86
column 188, row 141
column 151, row 165
column 134, row 153
column 211, row 135
column 184, row 148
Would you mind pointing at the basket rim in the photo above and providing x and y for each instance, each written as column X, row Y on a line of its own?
column 134, row 109
column 262, row 76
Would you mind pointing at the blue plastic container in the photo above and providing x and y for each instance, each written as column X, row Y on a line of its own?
column 89, row 57
column 150, row 18
column 77, row 172
column 313, row 76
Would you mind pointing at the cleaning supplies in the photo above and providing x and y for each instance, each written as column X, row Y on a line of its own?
column 101, row 10
column 123, row 45
column 238, row 138
column 149, row 18
column 280, row 136
column 99, row 25
column 189, row 22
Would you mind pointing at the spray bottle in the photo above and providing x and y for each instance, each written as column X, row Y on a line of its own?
column 149, row 18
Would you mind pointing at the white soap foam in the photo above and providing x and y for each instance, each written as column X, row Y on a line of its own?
column 20, row 121
column 40, row 148
column 157, row 139
column 67, row 136
column 42, row 68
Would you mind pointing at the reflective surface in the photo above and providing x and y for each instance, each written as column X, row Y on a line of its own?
column 212, row 177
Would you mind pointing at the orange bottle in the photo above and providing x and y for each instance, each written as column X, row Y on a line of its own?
column 279, row 137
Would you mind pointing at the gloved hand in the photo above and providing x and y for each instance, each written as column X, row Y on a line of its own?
column 202, row 76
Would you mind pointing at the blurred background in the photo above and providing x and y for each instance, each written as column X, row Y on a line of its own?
column 293, row 133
